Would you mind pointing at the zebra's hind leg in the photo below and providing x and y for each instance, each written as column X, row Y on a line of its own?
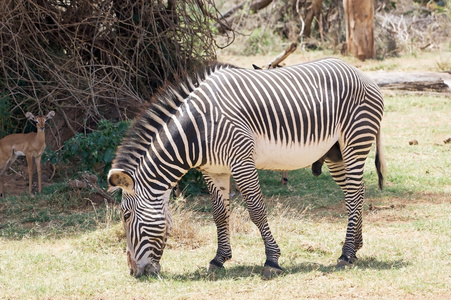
column 246, row 177
column 351, row 182
column 219, row 187
column 353, row 240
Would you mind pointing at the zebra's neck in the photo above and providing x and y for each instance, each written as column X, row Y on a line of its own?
column 153, row 135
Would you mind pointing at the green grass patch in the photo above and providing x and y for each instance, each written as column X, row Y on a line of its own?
column 56, row 212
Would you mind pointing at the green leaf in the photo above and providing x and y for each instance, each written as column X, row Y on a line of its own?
column 108, row 156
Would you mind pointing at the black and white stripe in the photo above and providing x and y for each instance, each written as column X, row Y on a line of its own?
column 230, row 121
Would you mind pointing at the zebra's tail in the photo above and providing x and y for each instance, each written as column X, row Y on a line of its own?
column 381, row 166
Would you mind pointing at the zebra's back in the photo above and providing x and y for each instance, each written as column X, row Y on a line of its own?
column 294, row 114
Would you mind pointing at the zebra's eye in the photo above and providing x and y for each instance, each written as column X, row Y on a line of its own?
column 127, row 216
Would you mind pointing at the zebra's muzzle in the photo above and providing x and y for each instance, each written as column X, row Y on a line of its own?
column 152, row 268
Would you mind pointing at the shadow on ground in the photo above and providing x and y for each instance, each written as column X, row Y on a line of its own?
column 243, row 271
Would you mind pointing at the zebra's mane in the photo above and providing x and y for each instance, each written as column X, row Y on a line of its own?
column 162, row 106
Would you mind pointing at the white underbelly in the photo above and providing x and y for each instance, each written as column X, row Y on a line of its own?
column 275, row 156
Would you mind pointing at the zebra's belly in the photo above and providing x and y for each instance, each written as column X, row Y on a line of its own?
column 275, row 156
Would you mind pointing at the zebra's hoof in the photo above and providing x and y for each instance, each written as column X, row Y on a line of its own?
column 271, row 272
column 272, row 269
column 344, row 261
column 342, row 264
column 213, row 266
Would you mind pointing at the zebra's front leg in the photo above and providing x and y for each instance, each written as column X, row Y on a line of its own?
column 246, row 177
column 219, row 187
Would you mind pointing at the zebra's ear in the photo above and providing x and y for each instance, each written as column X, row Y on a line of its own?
column 117, row 178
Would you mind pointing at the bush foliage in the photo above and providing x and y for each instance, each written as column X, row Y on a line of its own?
column 93, row 152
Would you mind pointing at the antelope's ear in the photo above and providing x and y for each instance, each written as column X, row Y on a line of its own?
column 117, row 178
column 50, row 115
column 29, row 116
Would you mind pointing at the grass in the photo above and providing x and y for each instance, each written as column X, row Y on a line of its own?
column 60, row 245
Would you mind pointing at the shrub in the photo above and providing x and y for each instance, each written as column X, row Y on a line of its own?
column 91, row 152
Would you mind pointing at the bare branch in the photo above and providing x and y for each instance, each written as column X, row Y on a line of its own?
column 95, row 59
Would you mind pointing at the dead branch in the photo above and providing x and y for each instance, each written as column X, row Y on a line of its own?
column 282, row 56
column 254, row 7
column 17, row 173
column 275, row 63
column 380, row 207
column 227, row 18
column 91, row 181
column 53, row 171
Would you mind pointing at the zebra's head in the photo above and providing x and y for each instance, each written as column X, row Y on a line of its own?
column 146, row 221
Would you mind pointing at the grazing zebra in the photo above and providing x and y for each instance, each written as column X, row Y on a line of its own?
column 230, row 121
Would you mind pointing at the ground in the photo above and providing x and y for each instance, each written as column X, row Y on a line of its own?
column 16, row 178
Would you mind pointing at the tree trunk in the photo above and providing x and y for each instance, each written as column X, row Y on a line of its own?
column 359, row 28
column 313, row 10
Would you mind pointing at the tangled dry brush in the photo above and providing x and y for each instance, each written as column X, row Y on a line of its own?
column 90, row 59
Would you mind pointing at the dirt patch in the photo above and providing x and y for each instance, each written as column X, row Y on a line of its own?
column 16, row 178
column 16, row 183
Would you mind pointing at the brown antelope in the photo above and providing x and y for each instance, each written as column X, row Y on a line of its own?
column 31, row 145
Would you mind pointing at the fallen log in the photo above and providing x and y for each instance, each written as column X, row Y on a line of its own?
column 429, row 86
column 412, row 81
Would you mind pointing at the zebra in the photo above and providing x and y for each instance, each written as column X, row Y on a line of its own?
column 228, row 121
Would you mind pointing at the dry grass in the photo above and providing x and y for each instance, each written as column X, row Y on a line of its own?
column 188, row 232
column 404, row 256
